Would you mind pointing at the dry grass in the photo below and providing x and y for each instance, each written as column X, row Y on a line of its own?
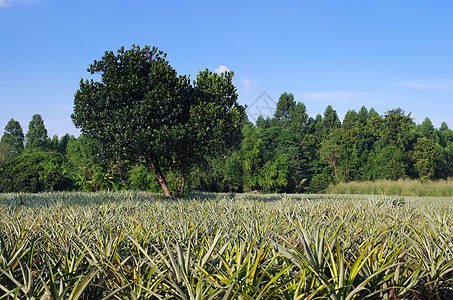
column 402, row 187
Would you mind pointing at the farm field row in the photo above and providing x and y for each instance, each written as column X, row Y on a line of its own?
column 132, row 245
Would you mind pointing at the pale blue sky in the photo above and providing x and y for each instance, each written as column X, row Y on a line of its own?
column 382, row 54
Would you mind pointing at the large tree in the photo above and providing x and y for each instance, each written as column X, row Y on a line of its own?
column 330, row 122
column 285, row 107
column 214, row 123
column 142, row 111
column 428, row 131
column 13, row 138
column 395, row 129
column 37, row 133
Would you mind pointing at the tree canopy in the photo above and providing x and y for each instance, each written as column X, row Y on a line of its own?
column 37, row 133
column 141, row 110
column 12, row 142
column 146, row 127
column 302, row 154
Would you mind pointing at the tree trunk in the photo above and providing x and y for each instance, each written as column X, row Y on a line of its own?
column 153, row 165
column 183, row 184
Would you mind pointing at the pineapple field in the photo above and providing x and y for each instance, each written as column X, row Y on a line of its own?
column 134, row 245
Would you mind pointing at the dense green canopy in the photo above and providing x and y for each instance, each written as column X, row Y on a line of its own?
column 142, row 111
column 146, row 127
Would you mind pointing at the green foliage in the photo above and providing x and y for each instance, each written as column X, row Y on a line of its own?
column 284, row 111
column 142, row 179
column 446, row 135
column 13, row 137
column 143, row 118
column 34, row 172
column 262, row 123
column 391, row 163
column 351, row 118
column 142, row 111
column 83, row 162
column 427, row 158
column 330, row 121
column 330, row 152
column 428, row 131
column 63, row 144
column 37, row 133
column 319, row 183
column 12, row 142
column 214, row 126
column 232, row 181
column 252, row 156
column 5, row 154
column 394, row 129
column 274, row 176
column 54, row 142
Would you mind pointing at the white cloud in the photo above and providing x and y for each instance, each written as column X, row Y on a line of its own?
column 334, row 95
column 221, row 69
column 438, row 84
column 249, row 84
column 8, row 3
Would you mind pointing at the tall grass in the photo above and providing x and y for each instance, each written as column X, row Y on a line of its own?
column 402, row 187
column 138, row 246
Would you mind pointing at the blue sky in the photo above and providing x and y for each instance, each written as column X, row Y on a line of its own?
column 382, row 54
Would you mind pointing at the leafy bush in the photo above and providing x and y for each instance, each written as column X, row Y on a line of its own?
column 34, row 172
column 319, row 183
column 140, row 178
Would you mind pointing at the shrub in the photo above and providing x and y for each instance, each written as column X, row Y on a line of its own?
column 141, row 178
column 319, row 183
column 34, row 172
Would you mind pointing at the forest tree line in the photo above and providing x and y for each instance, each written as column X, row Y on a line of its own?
column 289, row 152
